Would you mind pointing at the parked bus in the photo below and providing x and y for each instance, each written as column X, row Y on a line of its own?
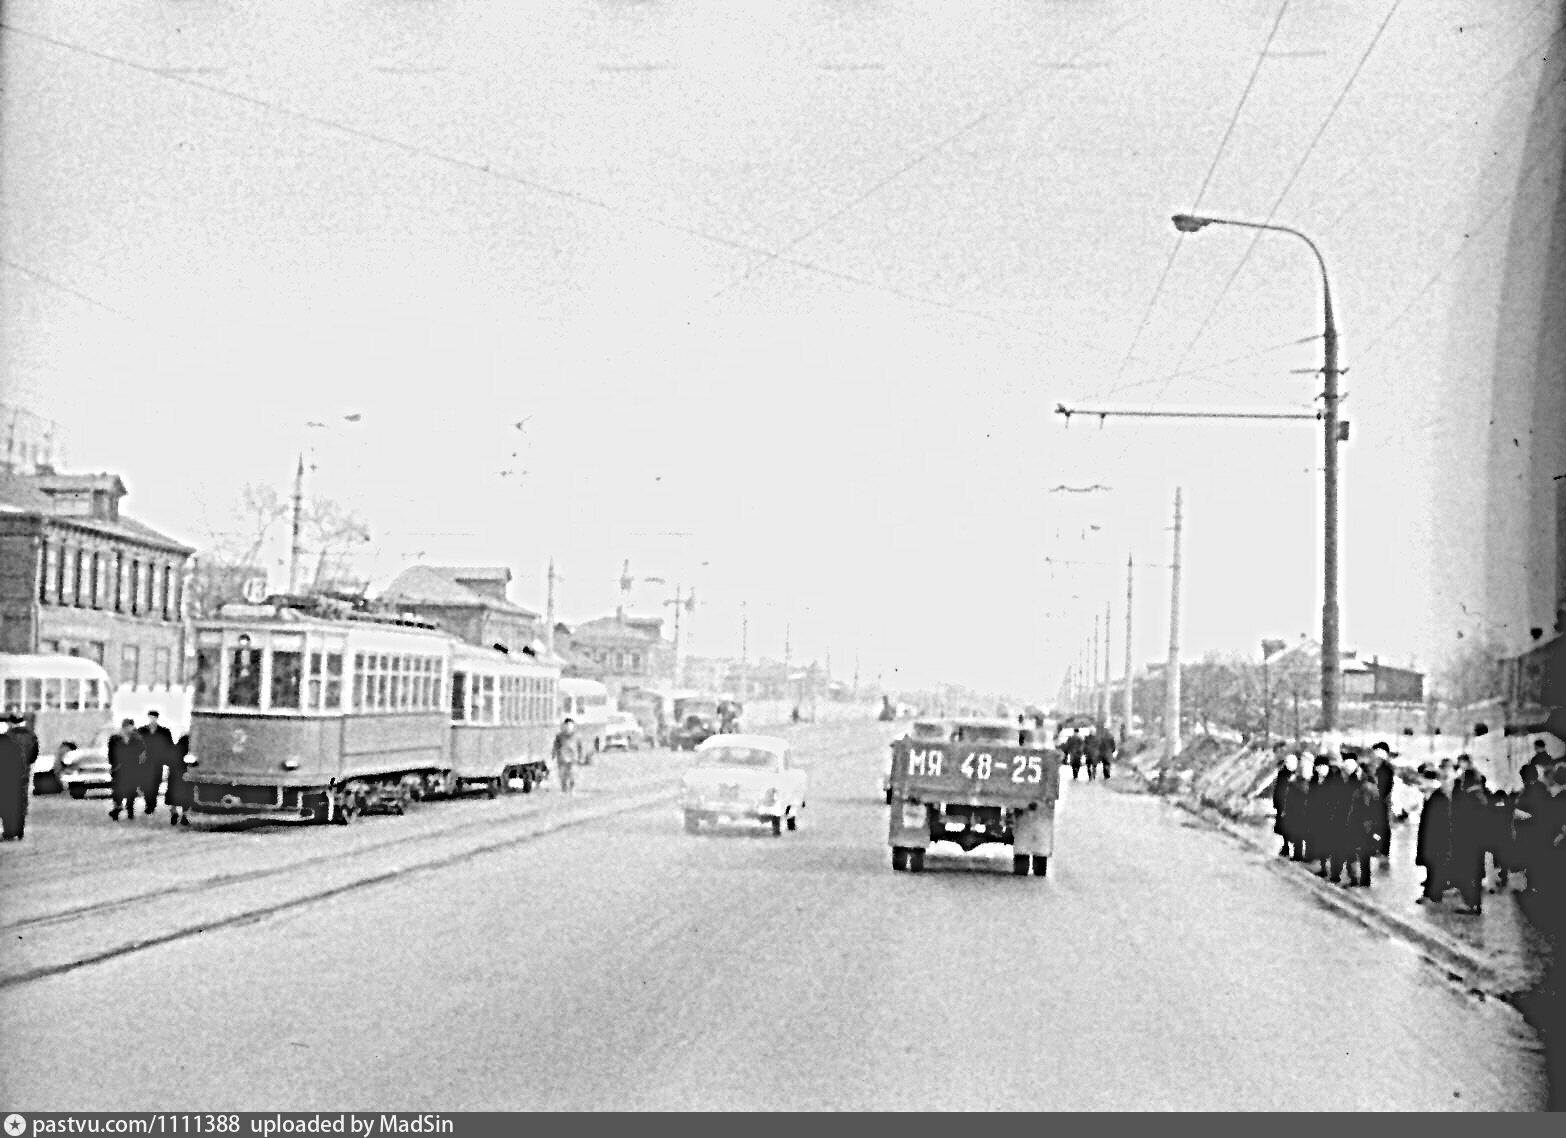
column 70, row 697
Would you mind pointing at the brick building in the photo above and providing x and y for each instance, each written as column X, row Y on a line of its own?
column 79, row 577
column 621, row 652
column 469, row 602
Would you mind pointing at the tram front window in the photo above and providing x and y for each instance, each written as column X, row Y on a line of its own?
column 287, row 676
column 334, row 680
column 206, row 694
column 244, row 678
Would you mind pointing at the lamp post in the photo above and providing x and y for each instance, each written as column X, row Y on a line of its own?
column 1331, row 661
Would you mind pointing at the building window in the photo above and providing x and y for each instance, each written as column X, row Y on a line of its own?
column 101, row 569
column 133, row 605
column 173, row 594
column 619, row 660
column 97, row 652
column 49, row 573
column 75, row 568
column 636, row 661
column 49, row 647
column 130, row 664
column 163, row 666
column 157, row 592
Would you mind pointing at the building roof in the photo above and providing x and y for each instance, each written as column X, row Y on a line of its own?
column 613, row 628
column 490, row 573
column 438, row 585
column 21, row 494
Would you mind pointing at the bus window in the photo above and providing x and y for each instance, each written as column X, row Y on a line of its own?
column 334, row 680
column 13, row 693
column 53, row 694
column 34, row 700
column 459, row 696
column 73, row 695
column 244, row 676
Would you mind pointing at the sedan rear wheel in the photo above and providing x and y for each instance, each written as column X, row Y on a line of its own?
column 777, row 827
column 76, row 790
column 899, row 858
column 793, row 821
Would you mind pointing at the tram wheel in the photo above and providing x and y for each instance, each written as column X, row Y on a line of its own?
column 915, row 861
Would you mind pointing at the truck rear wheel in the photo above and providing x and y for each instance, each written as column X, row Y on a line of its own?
column 1040, row 865
column 915, row 861
column 899, row 858
column 1019, row 864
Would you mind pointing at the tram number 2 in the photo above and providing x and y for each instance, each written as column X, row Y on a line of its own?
column 981, row 765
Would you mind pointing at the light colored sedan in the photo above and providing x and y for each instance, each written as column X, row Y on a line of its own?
column 623, row 732
column 86, row 768
column 744, row 778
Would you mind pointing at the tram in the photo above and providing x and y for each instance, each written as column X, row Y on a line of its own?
column 315, row 710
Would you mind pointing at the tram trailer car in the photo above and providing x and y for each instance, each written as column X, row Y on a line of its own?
column 309, row 712
column 502, row 720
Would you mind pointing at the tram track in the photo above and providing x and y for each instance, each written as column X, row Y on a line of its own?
column 101, row 941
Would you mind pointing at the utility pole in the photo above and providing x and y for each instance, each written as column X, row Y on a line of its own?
column 1172, row 673
column 549, row 611
column 296, row 549
column 679, row 657
column 1105, row 704
column 1092, row 691
column 1125, row 698
column 788, row 655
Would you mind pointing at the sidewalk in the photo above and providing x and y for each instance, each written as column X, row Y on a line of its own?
column 1497, row 952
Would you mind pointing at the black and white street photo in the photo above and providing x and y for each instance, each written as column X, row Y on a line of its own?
column 834, row 555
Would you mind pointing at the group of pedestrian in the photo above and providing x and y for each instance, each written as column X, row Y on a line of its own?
column 18, row 751
column 1465, row 826
column 1096, row 750
column 1332, row 810
column 139, row 759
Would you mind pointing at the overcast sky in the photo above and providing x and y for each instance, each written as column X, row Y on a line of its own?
column 784, row 297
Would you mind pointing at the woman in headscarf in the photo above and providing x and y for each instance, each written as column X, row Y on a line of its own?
column 180, row 793
column 1280, row 803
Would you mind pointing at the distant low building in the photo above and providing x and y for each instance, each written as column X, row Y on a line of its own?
column 619, row 651
column 469, row 602
column 79, row 577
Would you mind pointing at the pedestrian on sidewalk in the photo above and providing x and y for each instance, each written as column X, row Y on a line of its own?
column 1280, row 802
column 1528, row 821
column 567, row 752
column 1364, row 822
column 1337, row 843
column 180, row 792
column 1317, row 816
column 16, row 776
column 158, row 742
column 127, row 768
column 1434, row 844
column 1470, row 831
column 1073, row 750
column 1296, row 804
column 1386, row 779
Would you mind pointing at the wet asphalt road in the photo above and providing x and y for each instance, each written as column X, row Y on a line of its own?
column 621, row 963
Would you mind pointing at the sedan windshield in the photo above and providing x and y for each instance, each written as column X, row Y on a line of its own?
column 739, row 757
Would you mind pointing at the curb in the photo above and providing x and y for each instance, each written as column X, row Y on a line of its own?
column 1460, row 963
column 250, row 916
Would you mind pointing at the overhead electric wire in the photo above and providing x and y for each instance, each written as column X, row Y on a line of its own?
column 485, row 169
column 1287, row 186
column 1212, row 168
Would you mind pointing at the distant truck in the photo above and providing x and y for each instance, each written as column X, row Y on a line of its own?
column 988, row 781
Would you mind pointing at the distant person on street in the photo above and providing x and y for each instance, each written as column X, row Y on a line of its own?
column 127, row 768
column 16, row 775
column 1332, row 793
column 1073, row 749
column 158, row 742
column 1435, row 834
column 180, row 792
column 1296, row 803
column 567, row 752
column 1103, row 749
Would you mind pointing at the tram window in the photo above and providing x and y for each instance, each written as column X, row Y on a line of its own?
column 429, row 684
column 358, row 691
column 313, row 702
column 459, row 696
column 382, row 690
column 206, row 679
column 394, row 684
column 244, row 678
column 287, row 679
column 487, row 692
column 334, row 681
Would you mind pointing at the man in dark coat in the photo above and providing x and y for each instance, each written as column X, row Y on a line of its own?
column 1280, row 802
column 1386, row 779
column 1435, row 835
column 1333, row 795
column 127, row 768
column 1296, row 808
column 1364, row 822
column 159, row 744
column 1529, row 822
column 1073, row 749
column 16, row 774
column 1103, row 748
column 1470, row 831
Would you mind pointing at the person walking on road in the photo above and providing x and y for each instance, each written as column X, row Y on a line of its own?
column 16, row 776
column 158, row 743
column 180, row 792
column 1435, row 835
column 567, row 753
column 1470, row 829
column 1073, row 749
column 127, row 768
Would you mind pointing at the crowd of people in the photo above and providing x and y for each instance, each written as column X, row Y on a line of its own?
column 139, row 760
column 1333, row 810
column 1095, row 749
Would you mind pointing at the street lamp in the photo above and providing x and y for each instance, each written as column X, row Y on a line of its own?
column 1331, row 660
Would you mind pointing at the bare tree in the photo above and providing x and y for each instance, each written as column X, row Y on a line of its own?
column 1470, row 673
